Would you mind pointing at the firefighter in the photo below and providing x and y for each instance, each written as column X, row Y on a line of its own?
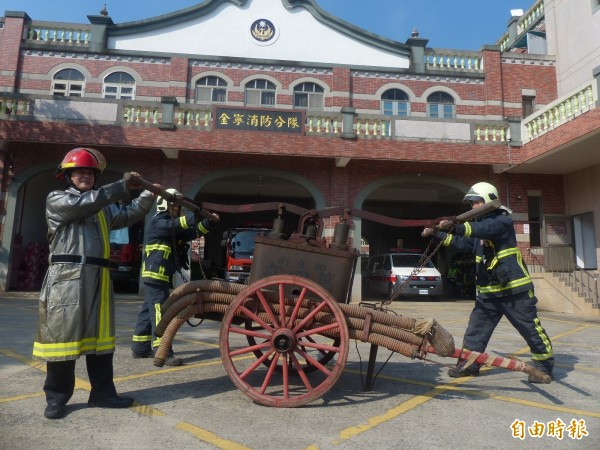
column 503, row 284
column 165, row 253
column 76, row 310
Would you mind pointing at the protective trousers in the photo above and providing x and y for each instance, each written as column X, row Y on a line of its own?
column 144, row 337
column 520, row 311
column 60, row 379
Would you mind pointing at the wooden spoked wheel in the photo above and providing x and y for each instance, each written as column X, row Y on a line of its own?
column 294, row 324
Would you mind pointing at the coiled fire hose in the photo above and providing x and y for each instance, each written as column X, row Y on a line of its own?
column 411, row 337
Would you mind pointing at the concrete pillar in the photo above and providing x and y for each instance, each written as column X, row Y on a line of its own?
column 348, row 115
column 596, row 74
column 168, row 113
column 417, row 52
column 99, row 32
column 513, row 30
column 514, row 127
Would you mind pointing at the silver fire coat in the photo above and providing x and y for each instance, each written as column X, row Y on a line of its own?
column 76, row 310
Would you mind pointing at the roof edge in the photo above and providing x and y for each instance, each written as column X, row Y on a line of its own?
column 170, row 19
column 347, row 28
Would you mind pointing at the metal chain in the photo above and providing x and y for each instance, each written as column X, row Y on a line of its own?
column 204, row 277
column 425, row 258
column 176, row 255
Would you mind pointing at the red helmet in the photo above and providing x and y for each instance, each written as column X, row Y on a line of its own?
column 81, row 158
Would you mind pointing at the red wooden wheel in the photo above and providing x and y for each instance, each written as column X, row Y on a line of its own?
column 294, row 322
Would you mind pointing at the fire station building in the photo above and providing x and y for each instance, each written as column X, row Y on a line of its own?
column 250, row 101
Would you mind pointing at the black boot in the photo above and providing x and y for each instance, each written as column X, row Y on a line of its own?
column 546, row 366
column 461, row 371
column 55, row 411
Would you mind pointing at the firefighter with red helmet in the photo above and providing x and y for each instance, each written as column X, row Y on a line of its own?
column 165, row 253
column 76, row 309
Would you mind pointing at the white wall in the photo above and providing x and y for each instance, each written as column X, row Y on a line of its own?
column 573, row 34
column 226, row 32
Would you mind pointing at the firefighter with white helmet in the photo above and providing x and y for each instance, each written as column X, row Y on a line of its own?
column 504, row 287
column 76, row 310
column 483, row 191
column 165, row 253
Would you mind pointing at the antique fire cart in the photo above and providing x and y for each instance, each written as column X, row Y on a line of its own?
column 284, row 337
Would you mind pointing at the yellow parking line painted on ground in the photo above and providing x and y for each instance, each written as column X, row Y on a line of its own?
column 41, row 365
column 21, row 397
column 551, row 319
column 555, row 338
column 579, row 367
column 146, row 410
column 210, row 437
column 437, row 390
column 194, row 341
column 163, row 370
column 390, row 414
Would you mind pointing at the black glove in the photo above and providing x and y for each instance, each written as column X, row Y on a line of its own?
column 208, row 224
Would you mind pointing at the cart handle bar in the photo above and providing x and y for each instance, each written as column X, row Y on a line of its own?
column 188, row 203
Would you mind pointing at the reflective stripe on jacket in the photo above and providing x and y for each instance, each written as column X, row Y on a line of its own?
column 163, row 234
column 499, row 265
column 76, row 310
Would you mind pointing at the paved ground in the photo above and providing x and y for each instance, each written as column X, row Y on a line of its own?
column 413, row 404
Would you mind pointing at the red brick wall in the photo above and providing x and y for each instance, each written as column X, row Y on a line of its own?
column 10, row 41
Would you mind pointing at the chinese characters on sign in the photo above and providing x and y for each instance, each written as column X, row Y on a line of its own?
column 259, row 120
column 558, row 429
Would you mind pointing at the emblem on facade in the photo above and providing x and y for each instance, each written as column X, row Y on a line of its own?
column 262, row 30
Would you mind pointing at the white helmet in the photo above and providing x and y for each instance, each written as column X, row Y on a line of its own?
column 162, row 204
column 483, row 191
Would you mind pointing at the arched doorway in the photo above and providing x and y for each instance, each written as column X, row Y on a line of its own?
column 241, row 186
column 415, row 196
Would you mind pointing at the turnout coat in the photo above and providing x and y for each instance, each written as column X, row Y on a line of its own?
column 76, row 309
column 499, row 266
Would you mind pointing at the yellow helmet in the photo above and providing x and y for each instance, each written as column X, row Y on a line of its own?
column 162, row 204
column 483, row 191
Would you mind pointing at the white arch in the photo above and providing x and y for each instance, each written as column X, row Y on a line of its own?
column 69, row 65
column 262, row 76
column 412, row 178
column 386, row 87
column 445, row 89
column 306, row 184
column 128, row 70
column 211, row 73
column 321, row 83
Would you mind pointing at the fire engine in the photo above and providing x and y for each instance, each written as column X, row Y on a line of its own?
column 238, row 244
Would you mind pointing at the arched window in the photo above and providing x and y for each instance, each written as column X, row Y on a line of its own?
column 119, row 85
column 440, row 105
column 308, row 96
column 260, row 93
column 68, row 83
column 211, row 90
column 394, row 102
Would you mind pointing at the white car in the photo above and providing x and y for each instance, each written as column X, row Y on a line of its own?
column 389, row 272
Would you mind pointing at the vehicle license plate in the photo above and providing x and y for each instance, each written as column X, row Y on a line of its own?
column 423, row 292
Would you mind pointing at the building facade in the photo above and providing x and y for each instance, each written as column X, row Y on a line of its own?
column 250, row 101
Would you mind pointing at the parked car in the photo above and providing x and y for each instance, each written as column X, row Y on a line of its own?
column 389, row 272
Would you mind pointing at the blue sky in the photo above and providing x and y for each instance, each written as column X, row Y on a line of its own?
column 459, row 24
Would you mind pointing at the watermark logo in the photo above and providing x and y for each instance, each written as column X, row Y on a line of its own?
column 576, row 429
